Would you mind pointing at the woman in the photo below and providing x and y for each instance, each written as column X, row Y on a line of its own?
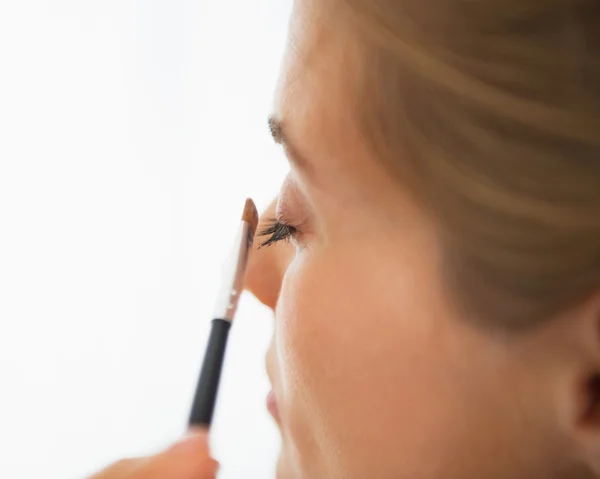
column 438, row 306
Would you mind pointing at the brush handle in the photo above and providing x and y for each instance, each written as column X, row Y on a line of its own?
column 210, row 375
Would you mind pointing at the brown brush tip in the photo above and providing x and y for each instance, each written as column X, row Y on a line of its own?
column 250, row 216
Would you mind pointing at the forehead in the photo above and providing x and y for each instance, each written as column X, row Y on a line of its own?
column 317, row 100
column 316, row 93
column 320, row 88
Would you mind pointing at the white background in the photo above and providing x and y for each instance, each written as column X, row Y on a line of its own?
column 130, row 134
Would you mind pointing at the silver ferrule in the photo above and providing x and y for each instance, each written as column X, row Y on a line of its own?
column 232, row 282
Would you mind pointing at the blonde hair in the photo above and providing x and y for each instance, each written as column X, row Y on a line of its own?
column 489, row 111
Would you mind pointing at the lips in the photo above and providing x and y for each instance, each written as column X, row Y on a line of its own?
column 272, row 406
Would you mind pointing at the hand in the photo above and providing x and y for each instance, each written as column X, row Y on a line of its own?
column 187, row 459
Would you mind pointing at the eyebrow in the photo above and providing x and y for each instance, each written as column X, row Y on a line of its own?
column 276, row 127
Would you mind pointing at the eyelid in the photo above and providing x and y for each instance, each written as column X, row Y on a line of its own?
column 283, row 216
column 290, row 208
column 291, row 215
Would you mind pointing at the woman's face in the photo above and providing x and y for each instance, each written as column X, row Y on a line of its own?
column 374, row 373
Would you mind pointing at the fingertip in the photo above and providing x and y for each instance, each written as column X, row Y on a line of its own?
column 189, row 458
column 194, row 440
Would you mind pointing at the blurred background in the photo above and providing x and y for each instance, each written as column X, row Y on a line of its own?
column 130, row 134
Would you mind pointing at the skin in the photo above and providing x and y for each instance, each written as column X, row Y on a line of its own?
column 187, row 459
column 375, row 373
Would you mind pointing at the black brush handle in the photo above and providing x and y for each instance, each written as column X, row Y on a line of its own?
column 210, row 375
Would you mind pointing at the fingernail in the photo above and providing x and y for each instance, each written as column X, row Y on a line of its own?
column 194, row 440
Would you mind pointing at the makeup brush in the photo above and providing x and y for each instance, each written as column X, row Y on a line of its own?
column 231, row 289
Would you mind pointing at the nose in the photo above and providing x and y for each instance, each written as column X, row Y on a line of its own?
column 266, row 266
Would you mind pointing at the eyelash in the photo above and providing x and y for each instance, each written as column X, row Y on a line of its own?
column 276, row 232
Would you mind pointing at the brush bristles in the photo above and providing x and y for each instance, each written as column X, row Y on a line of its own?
column 250, row 216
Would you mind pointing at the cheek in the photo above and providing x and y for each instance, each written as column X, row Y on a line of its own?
column 359, row 345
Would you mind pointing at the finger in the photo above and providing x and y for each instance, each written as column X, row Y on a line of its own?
column 187, row 459
column 118, row 470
